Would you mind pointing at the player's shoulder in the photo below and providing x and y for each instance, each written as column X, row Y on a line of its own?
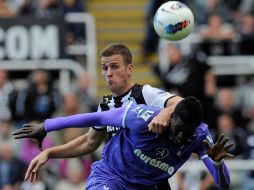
column 148, row 87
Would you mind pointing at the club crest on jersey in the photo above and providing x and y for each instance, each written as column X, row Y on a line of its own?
column 145, row 114
column 161, row 153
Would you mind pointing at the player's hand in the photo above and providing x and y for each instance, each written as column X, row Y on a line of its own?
column 159, row 123
column 219, row 150
column 35, row 131
column 34, row 166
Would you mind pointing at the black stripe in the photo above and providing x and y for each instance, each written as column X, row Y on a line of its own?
column 165, row 104
column 137, row 94
column 118, row 102
column 104, row 104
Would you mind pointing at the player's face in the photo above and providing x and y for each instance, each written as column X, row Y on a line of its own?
column 117, row 74
column 178, row 132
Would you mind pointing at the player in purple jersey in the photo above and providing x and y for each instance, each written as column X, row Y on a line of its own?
column 136, row 159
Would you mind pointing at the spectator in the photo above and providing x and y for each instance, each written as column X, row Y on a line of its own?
column 246, row 33
column 249, row 180
column 75, row 175
column 6, row 130
column 6, row 90
column 5, row 10
column 245, row 95
column 188, row 76
column 37, row 185
column 226, row 125
column 39, row 100
column 71, row 106
column 12, row 169
column 204, row 8
column 80, row 87
column 41, row 8
column 75, row 31
column 151, row 40
column 227, row 104
column 217, row 36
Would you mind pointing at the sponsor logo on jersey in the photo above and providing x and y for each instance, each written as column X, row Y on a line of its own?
column 112, row 130
column 154, row 162
column 145, row 114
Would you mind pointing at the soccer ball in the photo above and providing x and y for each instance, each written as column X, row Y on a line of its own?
column 173, row 21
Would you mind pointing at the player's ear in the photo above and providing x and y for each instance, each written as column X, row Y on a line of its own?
column 129, row 69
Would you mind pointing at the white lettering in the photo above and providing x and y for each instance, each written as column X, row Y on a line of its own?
column 16, row 42
column 137, row 152
column 171, row 170
column 44, row 42
column 153, row 162
column 164, row 166
column 36, row 42
column 147, row 160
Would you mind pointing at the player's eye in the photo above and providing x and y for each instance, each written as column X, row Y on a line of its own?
column 104, row 68
column 114, row 67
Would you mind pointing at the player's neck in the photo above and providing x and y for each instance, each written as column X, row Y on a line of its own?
column 123, row 91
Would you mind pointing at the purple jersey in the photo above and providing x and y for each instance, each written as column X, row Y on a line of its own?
column 135, row 147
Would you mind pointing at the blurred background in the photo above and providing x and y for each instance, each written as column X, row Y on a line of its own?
column 50, row 67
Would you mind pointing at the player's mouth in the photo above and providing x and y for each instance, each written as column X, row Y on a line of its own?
column 110, row 82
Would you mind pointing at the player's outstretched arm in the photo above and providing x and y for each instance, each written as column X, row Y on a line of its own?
column 161, row 122
column 84, row 144
column 39, row 131
column 215, row 163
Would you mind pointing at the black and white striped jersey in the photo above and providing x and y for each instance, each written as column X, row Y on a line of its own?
column 138, row 93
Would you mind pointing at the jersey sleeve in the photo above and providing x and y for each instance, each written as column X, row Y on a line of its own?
column 202, row 149
column 113, row 117
column 219, row 172
column 155, row 96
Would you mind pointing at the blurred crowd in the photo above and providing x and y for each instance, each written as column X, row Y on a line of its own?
column 38, row 100
column 224, row 27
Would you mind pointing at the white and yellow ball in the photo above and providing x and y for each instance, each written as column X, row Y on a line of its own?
column 173, row 21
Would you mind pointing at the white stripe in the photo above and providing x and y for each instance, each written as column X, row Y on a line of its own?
column 125, row 113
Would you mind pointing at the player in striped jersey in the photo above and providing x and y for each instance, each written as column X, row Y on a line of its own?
column 139, row 94
column 117, row 69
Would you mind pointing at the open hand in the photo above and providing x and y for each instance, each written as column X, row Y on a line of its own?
column 35, row 131
column 34, row 166
column 219, row 150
